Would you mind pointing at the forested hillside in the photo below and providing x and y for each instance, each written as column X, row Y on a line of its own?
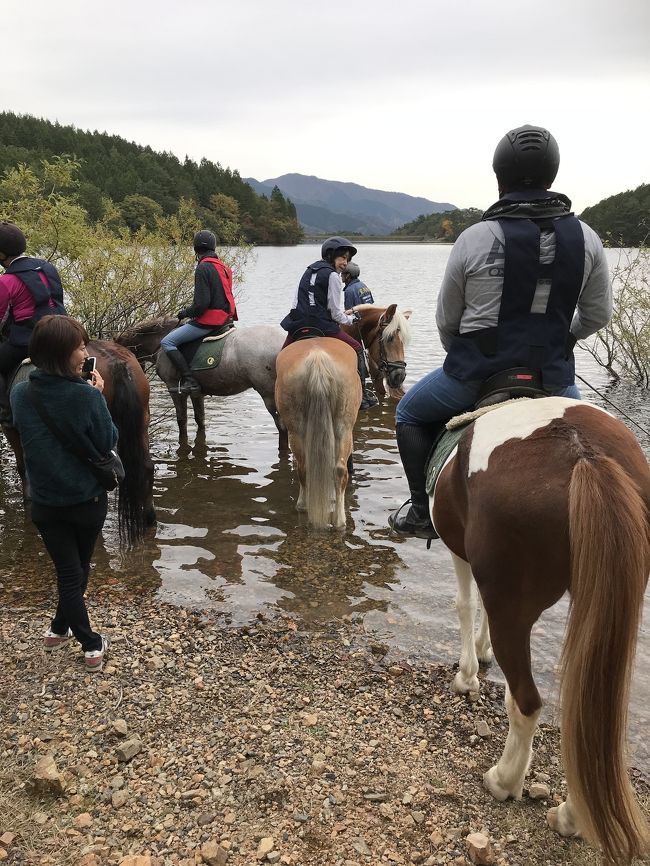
column 623, row 219
column 145, row 184
column 442, row 227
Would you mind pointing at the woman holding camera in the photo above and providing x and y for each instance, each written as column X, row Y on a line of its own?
column 68, row 503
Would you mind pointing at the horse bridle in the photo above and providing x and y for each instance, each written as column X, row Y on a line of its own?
column 384, row 366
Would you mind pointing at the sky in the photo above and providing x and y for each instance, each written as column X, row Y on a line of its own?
column 404, row 95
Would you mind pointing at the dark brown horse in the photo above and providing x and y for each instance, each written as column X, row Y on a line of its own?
column 544, row 497
column 126, row 389
column 318, row 392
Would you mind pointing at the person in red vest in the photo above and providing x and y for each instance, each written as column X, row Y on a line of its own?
column 213, row 305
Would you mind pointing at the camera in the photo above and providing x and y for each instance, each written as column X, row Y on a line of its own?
column 88, row 367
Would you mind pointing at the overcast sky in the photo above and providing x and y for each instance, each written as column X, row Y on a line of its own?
column 404, row 95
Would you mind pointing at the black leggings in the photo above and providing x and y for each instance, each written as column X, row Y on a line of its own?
column 69, row 534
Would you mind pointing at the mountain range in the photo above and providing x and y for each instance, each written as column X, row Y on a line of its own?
column 332, row 206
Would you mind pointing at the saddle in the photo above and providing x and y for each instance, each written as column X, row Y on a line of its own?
column 306, row 333
column 507, row 386
column 205, row 354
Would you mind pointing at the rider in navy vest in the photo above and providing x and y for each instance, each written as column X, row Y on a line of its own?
column 519, row 289
column 317, row 306
column 30, row 288
column 356, row 291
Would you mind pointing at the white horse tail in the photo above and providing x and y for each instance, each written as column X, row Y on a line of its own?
column 320, row 396
column 610, row 554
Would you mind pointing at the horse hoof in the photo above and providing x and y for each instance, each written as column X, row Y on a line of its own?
column 491, row 784
column 559, row 820
column 464, row 687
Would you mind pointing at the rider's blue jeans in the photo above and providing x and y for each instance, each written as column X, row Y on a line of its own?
column 438, row 397
column 184, row 334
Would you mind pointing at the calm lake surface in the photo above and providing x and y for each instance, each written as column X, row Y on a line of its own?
column 229, row 537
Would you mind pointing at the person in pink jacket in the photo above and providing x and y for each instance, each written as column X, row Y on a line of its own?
column 30, row 288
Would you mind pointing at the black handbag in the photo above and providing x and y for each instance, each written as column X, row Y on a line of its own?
column 109, row 470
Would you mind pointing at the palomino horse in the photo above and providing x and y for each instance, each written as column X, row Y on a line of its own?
column 126, row 389
column 544, row 496
column 385, row 332
column 249, row 354
column 318, row 392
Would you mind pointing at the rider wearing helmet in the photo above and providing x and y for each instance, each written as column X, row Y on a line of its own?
column 520, row 288
column 30, row 288
column 213, row 306
column 317, row 305
column 356, row 292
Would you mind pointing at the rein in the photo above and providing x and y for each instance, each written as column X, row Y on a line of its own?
column 384, row 365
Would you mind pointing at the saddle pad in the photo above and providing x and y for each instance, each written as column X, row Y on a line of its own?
column 441, row 451
column 22, row 373
column 208, row 355
column 467, row 417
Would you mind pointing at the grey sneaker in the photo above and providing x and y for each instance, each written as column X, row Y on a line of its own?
column 94, row 660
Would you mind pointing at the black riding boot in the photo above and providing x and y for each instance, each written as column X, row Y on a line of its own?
column 187, row 384
column 415, row 445
column 368, row 396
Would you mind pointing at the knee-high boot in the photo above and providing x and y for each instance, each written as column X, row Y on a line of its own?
column 187, row 384
column 415, row 445
column 368, row 396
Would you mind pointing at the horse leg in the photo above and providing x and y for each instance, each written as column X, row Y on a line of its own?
column 180, row 405
column 562, row 818
column 299, row 460
column 511, row 641
column 466, row 679
column 198, row 405
column 482, row 643
column 283, row 436
column 13, row 438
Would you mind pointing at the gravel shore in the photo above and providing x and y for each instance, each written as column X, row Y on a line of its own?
column 201, row 743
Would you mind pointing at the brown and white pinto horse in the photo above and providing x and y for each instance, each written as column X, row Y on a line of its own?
column 318, row 392
column 126, row 389
column 544, row 496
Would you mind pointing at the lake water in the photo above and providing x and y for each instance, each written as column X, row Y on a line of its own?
column 229, row 536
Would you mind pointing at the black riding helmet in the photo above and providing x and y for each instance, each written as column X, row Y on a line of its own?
column 336, row 246
column 527, row 157
column 204, row 241
column 12, row 240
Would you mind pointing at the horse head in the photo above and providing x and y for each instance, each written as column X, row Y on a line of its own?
column 385, row 332
column 143, row 338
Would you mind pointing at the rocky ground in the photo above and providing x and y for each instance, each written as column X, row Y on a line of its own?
column 201, row 743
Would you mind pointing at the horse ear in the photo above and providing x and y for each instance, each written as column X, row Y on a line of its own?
column 390, row 312
column 407, row 313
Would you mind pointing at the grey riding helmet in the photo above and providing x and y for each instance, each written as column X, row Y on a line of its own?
column 528, row 156
column 352, row 269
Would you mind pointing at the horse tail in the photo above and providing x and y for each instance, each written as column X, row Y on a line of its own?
column 610, row 544
column 128, row 414
column 320, row 399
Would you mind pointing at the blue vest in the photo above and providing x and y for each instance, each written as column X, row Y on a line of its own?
column 541, row 341
column 27, row 270
column 311, row 307
column 357, row 292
